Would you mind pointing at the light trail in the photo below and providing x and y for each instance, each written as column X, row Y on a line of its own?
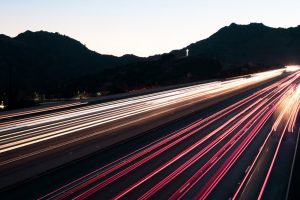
column 99, row 186
column 198, row 156
column 173, row 175
column 262, row 107
column 207, row 122
column 234, row 106
column 39, row 129
column 21, row 113
column 288, row 107
column 205, row 151
column 288, row 103
column 214, row 180
column 291, row 103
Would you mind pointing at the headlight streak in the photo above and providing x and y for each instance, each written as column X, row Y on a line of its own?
column 264, row 106
column 45, row 128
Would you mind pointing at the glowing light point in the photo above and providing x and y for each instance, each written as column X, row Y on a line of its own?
column 292, row 68
column 187, row 52
column 2, row 105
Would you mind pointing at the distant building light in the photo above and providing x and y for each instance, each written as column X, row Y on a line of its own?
column 187, row 52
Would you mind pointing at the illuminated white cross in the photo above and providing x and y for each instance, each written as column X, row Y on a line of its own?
column 187, row 52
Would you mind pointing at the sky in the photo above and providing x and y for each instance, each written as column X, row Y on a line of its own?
column 141, row 27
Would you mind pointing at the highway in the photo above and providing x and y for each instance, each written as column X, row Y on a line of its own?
column 28, row 131
column 229, row 152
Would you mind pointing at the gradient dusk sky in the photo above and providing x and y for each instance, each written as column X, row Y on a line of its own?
column 141, row 27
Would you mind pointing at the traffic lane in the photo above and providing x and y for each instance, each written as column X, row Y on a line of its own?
column 84, row 186
column 98, row 100
column 93, row 119
column 163, row 158
column 185, row 108
column 171, row 176
column 82, row 111
column 256, row 78
column 293, row 192
column 200, row 184
column 73, row 130
column 39, row 136
column 84, row 169
column 280, row 174
column 258, row 174
column 232, row 180
column 88, row 114
column 167, row 190
column 125, row 102
column 87, row 146
column 7, row 115
column 40, row 132
column 278, row 182
column 124, row 121
column 77, row 168
column 187, row 96
column 104, row 192
column 274, row 137
column 254, row 183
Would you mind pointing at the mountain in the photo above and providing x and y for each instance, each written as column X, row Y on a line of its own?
column 164, row 71
column 46, row 58
column 56, row 65
column 253, row 43
column 39, row 60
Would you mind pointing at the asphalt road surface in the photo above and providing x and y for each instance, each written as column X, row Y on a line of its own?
column 234, row 149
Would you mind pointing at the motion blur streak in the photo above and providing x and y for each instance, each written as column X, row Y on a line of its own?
column 192, row 162
column 18, row 114
column 38, row 129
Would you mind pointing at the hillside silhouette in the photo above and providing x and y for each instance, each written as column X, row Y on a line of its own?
column 43, row 61
column 253, row 43
column 165, row 71
column 56, row 66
